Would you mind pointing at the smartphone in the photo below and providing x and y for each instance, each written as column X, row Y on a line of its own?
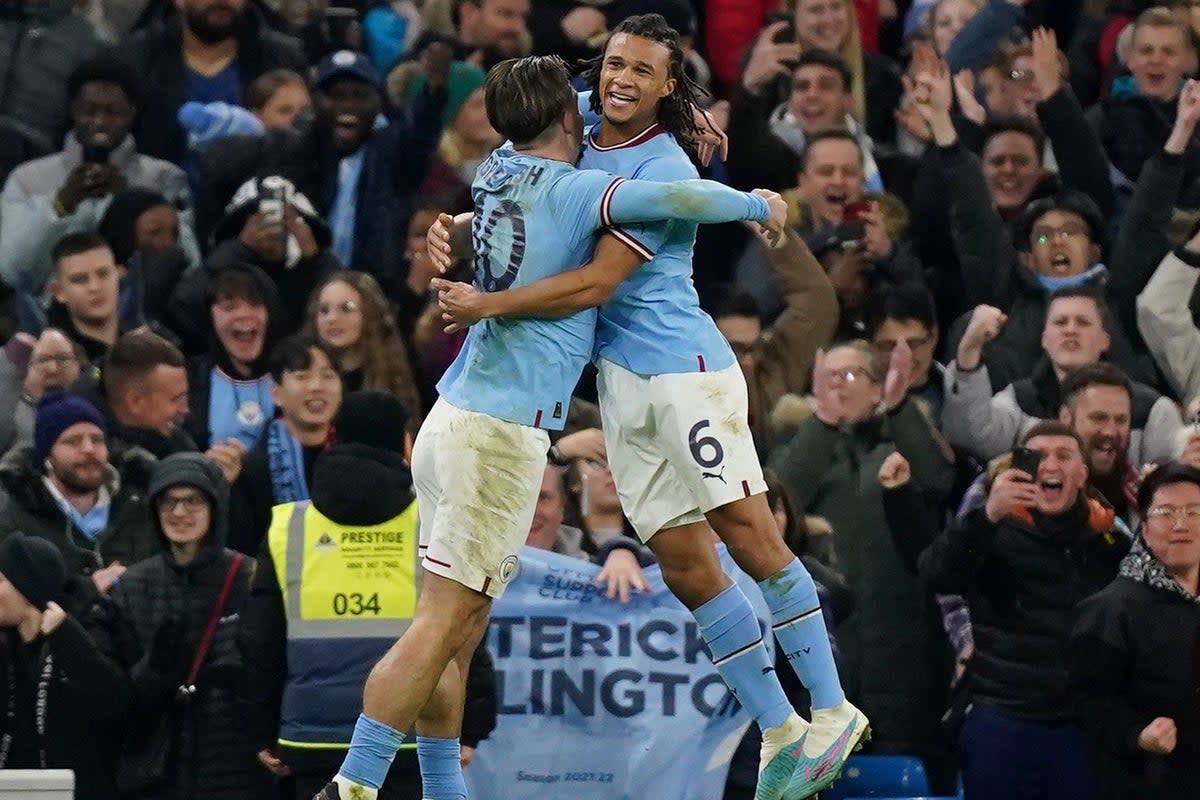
column 1027, row 460
column 96, row 153
column 270, row 202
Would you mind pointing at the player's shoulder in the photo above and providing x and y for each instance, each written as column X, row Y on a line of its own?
column 662, row 159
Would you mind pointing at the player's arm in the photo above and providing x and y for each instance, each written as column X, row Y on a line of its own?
column 617, row 255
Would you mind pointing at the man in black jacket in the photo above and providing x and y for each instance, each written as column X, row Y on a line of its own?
column 207, row 50
column 63, row 698
column 1037, row 548
column 361, row 482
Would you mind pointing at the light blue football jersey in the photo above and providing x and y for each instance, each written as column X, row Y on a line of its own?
column 535, row 218
column 653, row 323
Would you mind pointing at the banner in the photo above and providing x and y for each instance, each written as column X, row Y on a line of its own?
column 603, row 701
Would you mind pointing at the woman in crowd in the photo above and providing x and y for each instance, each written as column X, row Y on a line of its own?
column 277, row 97
column 1137, row 651
column 350, row 315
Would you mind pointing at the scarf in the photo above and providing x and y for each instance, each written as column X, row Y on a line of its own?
column 91, row 524
column 1144, row 567
column 1054, row 284
column 285, row 462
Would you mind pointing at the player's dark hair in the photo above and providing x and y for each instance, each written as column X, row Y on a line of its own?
column 828, row 60
column 902, row 302
column 525, row 96
column 829, row 134
column 674, row 110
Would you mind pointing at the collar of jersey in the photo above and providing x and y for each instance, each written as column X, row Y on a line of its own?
column 641, row 138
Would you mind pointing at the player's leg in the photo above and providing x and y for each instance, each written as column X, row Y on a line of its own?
column 710, row 438
column 439, row 727
column 660, row 508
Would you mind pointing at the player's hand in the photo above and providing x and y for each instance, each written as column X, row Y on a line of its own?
column 1158, row 737
column 586, row 444
column 465, row 755
column 1011, row 489
column 622, row 574
column 437, row 243
column 462, row 304
column 895, row 472
column 710, row 138
column 773, row 228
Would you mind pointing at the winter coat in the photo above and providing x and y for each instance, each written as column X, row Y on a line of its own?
column 152, row 626
column 395, row 160
column 352, row 484
column 1023, row 578
column 84, row 699
column 156, row 52
column 832, row 473
column 1167, row 324
column 1136, row 656
column 26, row 505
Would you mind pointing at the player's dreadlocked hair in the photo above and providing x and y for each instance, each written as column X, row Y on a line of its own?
column 675, row 110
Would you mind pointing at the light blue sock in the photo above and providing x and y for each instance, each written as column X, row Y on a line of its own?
column 731, row 632
column 441, row 772
column 372, row 748
column 800, row 629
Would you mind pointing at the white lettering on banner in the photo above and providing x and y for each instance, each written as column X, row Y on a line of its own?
column 603, row 701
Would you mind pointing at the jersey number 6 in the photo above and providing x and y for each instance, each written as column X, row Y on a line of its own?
column 705, row 445
column 485, row 238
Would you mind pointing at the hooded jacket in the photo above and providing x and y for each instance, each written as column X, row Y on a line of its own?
column 200, row 368
column 26, row 505
column 1136, row 656
column 152, row 626
column 353, row 484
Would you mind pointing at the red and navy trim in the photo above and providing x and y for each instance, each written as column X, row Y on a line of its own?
column 639, row 249
column 641, row 138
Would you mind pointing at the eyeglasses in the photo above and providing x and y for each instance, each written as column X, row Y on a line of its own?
column 189, row 504
column 347, row 307
column 1043, row 236
column 849, row 374
column 1189, row 514
column 62, row 362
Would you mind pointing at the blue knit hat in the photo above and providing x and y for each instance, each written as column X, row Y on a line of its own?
column 55, row 413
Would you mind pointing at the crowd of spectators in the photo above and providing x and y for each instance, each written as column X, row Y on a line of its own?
column 973, row 363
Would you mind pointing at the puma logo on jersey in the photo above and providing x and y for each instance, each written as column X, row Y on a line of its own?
column 716, row 475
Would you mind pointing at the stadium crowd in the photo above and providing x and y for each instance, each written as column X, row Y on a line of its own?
column 973, row 364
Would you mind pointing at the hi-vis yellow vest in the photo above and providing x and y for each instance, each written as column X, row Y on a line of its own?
column 348, row 592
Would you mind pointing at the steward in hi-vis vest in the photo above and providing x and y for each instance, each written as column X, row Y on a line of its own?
column 337, row 584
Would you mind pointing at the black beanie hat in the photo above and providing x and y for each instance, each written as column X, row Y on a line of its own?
column 34, row 567
column 372, row 418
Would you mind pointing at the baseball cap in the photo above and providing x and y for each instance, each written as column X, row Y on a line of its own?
column 346, row 64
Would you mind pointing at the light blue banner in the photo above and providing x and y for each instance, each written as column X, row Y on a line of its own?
column 603, row 701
